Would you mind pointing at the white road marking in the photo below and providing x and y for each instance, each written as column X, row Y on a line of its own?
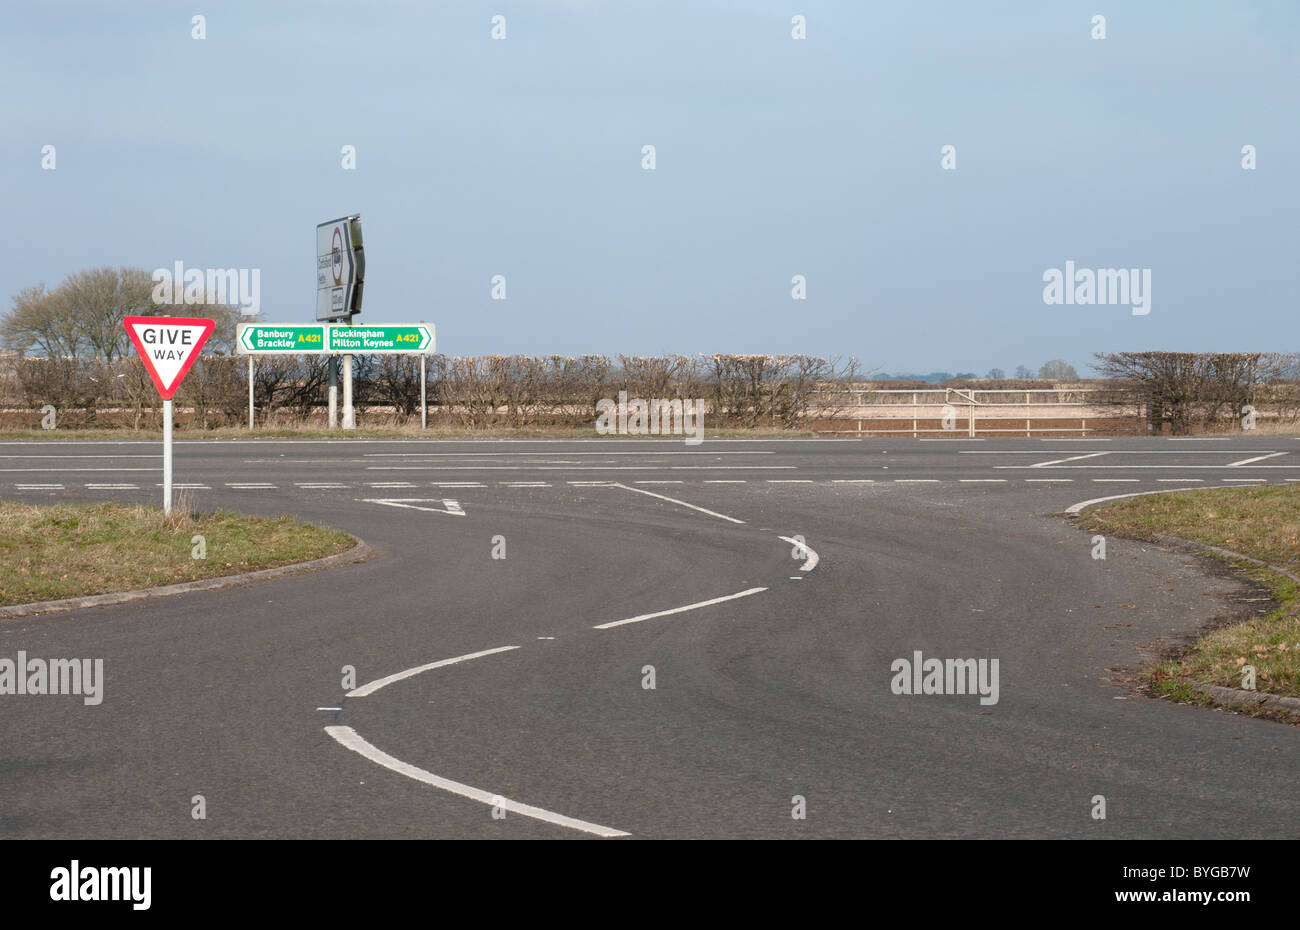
column 250, row 487
column 352, row 740
column 916, row 481
column 329, row 708
column 49, row 468
column 448, row 507
column 389, row 484
column 187, row 487
column 1116, row 480
column 458, row 484
column 591, row 484
column 1246, row 480
column 787, row 481
column 124, row 455
column 525, row 484
column 1177, row 480
column 39, row 487
column 812, row 557
column 715, row 481
column 1257, row 458
column 112, row 487
column 982, row 480
column 1072, row 458
column 540, row 468
column 1075, row 508
column 477, row 454
column 678, row 610
column 319, row 484
column 1047, row 480
column 853, row 481
column 368, row 689
column 673, row 500
column 678, row 481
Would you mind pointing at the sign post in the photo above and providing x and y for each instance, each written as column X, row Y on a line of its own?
column 168, row 346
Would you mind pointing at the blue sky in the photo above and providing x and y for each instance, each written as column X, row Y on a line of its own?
column 775, row 157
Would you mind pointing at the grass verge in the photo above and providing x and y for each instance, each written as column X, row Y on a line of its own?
column 1261, row 522
column 75, row 550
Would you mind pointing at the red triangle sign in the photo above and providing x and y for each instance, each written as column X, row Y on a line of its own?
column 168, row 345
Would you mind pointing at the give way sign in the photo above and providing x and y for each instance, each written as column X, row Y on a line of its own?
column 168, row 345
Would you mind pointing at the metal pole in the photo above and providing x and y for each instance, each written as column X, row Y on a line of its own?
column 250, row 392
column 424, row 394
column 349, row 414
column 334, row 391
column 167, row 456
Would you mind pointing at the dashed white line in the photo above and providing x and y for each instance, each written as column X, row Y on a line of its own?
column 368, row 689
column 982, row 480
column 717, row 481
column 658, row 482
column 853, row 481
column 112, row 487
column 1116, row 480
column 789, row 481
column 1048, row 480
column 319, row 485
column 352, row 740
column 250, row 487
column 678, row 610
column 526, row 484
column 389, row 484
column 916, row 481
column 39, row 487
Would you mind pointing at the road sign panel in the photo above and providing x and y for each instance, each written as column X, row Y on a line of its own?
column 340, row 268
column 168, row 346
column 382, row 339
column 280, row 338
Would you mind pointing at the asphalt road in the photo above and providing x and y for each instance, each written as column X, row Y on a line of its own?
column 782, row 689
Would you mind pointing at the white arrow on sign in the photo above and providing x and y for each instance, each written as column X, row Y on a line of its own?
column 448, row 506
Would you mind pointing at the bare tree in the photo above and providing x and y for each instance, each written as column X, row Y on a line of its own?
column 1058, row 369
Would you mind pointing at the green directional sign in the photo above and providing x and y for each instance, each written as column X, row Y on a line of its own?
column 382, row 338
column 280, row 338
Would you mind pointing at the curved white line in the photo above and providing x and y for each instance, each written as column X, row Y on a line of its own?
column 372, row 687
column 811, row 562
column 1076, row 508
column 352, row 740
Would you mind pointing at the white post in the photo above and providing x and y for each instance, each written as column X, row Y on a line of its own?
column 167, row 456
column 250, row 392
column 349, row 415
column 334, row 391
column 424, row 395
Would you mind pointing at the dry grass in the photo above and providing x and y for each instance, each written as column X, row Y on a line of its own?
column 66, row 550
column 1261, row 522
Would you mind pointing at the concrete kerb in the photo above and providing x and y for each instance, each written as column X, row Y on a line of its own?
column 358, row 553
column 1231, row 696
